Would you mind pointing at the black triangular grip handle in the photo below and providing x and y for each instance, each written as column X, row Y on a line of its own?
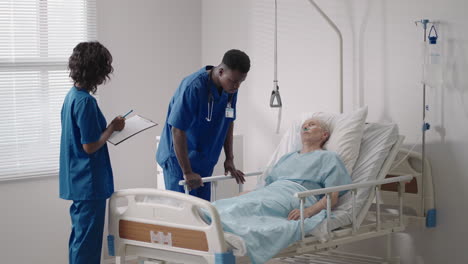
column 275, row 95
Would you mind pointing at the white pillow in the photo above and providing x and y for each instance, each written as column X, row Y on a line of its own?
column 345, row 133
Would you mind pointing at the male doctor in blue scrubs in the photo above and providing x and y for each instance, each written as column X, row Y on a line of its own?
column 200, row 121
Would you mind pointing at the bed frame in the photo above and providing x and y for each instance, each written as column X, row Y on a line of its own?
column 174, row 230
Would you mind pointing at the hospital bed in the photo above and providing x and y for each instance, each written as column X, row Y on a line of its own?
column 172, row 228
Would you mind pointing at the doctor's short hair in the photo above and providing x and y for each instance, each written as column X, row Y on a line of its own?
column 237, row 60
column 90, row 65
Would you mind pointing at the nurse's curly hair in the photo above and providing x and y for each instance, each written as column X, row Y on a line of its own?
column 237, row 60
column 90, row 65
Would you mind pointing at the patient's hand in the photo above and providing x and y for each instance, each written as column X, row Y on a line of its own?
column 296, row 214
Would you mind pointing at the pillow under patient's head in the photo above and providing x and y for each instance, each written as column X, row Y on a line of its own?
column 345, row 133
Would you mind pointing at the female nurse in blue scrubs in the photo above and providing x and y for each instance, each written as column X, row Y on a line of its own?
column 200, row 121
column 85, row 168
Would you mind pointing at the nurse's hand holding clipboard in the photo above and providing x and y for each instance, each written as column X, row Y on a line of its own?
column 118, row 123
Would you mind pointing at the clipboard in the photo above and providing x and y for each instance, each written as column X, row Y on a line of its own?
column 133, row 126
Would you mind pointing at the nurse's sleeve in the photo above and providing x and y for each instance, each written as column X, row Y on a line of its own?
column 336, row 173
column 184, row 109
column 87, row 119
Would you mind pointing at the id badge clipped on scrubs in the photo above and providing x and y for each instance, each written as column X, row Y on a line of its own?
column 229, row 111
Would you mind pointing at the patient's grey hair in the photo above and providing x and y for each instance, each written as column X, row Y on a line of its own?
column 324, row 126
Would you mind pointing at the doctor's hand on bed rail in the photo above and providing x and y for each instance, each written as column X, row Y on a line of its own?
column 229, row 167
column 193, row 180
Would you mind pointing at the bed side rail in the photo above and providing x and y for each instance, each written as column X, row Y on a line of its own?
column 401, row 180
column 375, row 184
column 215, row 179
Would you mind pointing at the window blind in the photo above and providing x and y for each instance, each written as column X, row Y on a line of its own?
column 36, row 39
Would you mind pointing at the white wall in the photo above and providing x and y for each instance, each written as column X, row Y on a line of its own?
column 154, row 45
column 382, row 70
column 35, row 223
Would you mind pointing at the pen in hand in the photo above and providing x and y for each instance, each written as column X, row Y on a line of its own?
column 127, row 113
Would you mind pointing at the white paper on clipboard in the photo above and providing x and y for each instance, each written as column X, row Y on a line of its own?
column 133, row 126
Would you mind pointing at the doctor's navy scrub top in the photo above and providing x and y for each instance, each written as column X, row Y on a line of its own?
column 193, row 104
column 83, row 176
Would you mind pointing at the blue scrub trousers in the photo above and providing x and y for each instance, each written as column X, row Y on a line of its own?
column 173, row 174
column 87, row 230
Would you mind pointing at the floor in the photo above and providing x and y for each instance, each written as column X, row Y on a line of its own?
column 273, row 261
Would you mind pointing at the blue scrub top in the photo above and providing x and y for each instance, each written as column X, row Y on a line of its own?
column 83, row 176
column 188, row 111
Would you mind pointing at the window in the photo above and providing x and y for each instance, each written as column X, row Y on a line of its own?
column 36, row 39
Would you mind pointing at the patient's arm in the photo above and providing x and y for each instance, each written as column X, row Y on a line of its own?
column 315, row 208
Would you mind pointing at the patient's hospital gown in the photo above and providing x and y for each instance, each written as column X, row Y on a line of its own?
column 260, row 216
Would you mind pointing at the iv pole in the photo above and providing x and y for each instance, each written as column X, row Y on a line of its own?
column 425, row 126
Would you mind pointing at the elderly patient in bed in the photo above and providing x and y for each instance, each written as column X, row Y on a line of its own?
column 266, row 218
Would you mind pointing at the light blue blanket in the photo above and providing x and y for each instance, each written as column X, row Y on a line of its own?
column 260, row 218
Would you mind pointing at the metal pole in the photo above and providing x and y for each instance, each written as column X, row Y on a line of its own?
column 377, row 198
column 401, row 192
column 276, row 45
column 353, row 192
column 329, row 215
column 213, row 191
column 424, row 23
column 423, row 146
column 333, row 25
column 302, row 218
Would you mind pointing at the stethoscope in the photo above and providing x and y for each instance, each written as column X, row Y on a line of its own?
column 209, row 114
